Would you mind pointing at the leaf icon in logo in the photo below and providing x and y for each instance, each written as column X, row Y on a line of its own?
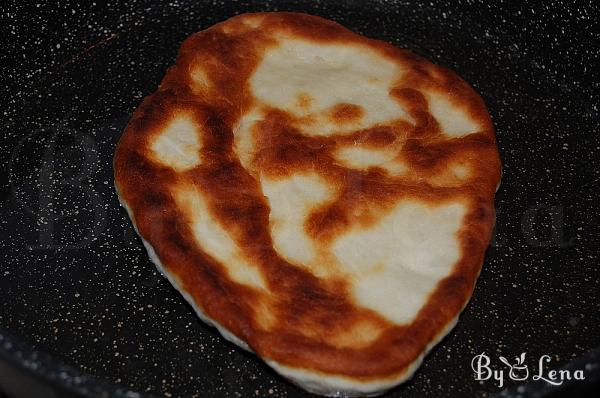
column 518, row 371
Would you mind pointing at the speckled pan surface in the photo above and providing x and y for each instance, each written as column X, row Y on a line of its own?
column 76, row 283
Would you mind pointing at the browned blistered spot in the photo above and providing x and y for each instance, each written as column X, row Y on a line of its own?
column 345, row 113
column 305, row 321
column 304, row 100
column 383, row 136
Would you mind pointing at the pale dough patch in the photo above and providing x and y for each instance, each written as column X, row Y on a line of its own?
column 178, row 145
column 396, row 264
column 243, row 139
column 357, row 157
column 327, row 75
column 453, row 120
column 291, row 201
column 214, row 239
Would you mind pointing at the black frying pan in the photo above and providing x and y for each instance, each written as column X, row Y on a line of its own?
column 77, row 289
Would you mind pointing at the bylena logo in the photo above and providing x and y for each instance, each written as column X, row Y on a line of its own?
column 518, row 371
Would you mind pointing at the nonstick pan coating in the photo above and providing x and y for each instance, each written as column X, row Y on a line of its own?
column 75, row 281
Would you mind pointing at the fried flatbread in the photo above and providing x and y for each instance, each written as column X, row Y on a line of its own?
column 323, row 199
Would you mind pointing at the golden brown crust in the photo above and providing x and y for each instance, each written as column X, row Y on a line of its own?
column 310, row 313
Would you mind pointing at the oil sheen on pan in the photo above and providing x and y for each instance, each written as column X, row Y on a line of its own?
column 323, row 199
